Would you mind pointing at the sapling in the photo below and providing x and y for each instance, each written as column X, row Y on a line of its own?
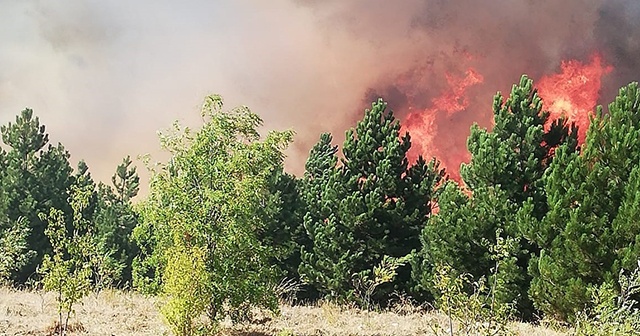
column 66, row 271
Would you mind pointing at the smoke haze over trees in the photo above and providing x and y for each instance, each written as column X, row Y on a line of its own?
column 111, row 73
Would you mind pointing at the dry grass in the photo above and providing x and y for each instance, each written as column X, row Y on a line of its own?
column 123, row 313
column 108, row 313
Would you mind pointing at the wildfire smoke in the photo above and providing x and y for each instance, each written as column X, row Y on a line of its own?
column 104, row 76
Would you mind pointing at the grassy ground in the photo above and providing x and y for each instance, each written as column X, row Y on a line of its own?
column 119, row 313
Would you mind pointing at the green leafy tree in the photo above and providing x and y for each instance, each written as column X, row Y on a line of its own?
column 370, row 206
column 67, row 270
column 203, row 214
column 590, row 231
column 14, row 253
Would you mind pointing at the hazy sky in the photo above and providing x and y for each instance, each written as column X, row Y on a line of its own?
column 104, row 76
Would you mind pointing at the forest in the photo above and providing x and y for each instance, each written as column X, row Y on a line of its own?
column 540, row 226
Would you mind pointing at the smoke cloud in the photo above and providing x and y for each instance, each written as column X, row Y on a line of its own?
column 104, row 76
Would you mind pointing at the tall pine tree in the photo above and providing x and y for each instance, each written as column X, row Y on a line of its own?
column 35, row 177
column 115, row 218
column 370, row 206
column 504, row 176
column 590, row 231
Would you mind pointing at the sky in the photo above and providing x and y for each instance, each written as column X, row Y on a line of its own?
column 105, row 76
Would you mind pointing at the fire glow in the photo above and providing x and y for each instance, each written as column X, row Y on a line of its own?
column 572, row 93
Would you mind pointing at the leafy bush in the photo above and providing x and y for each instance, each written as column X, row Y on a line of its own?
column 365, row 284
column 473, row 307
column 185, row 279
column 200, row 224
column 67, row 272
column 14, row 253
column 612, row 313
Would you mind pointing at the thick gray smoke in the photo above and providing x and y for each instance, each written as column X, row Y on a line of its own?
column 104, row 76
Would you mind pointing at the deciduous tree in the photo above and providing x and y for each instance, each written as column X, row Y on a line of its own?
column 203, row 214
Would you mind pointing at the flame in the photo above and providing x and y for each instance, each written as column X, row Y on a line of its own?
column 422, row 124
column 574, row 92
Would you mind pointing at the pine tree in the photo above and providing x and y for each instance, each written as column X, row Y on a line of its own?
column 505, row 176
column 115, row 218
column 515, row 154
column 284, row 230
column 326, row 261
column 34, row 179
column 590, row 230
column 370, row 206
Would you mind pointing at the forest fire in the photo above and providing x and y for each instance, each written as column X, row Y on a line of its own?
column 572, row 93
column 422, row 126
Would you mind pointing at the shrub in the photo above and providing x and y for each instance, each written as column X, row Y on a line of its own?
column 14, row 253
column 200, row 224
column 67, row 272
column 473, row 307
column 612, row 313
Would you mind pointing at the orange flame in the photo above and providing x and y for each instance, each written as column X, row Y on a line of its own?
column 571, row 93
column 574, row 92
column 421, row 124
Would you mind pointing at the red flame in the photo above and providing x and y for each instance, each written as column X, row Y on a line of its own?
column 422, row 126
column 574, row 92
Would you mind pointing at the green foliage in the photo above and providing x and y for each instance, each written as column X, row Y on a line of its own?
column 612, row 313
column 115, row 220
column 475, row 307
column 187, row 295
column 67, row 272
column 33, row 179
column 204, row 207
column 14, row 253
column 147, row 264
column 468, row 314
column 284, row 231
column 464, row 234
column 515, row 154
column 505, row 180
column 366, row 283
column 590, row 231
column 370, row 206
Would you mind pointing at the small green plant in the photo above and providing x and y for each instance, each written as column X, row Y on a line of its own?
column 184, row 286
column 612, row 313
column 67, row 272
column 365, row 285
column 287, row 290
column 285, row 332
column 478, row 312
column 105, row 267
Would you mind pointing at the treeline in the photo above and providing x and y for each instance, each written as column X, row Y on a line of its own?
column 545, row 221
column 36, row 177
